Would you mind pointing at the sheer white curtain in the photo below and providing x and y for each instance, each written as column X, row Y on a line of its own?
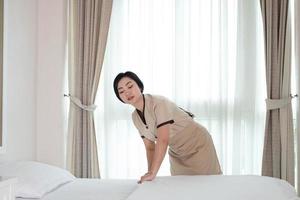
column 204, row 55
column 295, row 85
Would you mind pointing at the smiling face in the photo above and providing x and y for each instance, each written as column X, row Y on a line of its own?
column 129, row 91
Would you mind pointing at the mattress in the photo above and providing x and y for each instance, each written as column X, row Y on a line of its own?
column 46, row 182
column 215, row 187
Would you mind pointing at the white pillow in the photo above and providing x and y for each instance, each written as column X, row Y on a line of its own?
column 35, row 179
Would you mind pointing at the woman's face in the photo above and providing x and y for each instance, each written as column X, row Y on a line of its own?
column 128, row 90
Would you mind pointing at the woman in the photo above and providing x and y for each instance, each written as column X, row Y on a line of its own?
column 161, row 124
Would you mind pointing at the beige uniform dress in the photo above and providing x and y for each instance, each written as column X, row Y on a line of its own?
column 191, row 149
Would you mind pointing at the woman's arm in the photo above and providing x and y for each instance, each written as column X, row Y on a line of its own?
column 159, row 153
column 150, row 147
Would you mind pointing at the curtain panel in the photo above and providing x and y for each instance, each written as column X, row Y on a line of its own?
column 278, row 154
column 88, row 30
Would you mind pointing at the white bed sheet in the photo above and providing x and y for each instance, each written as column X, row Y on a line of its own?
column 216, row 187
column 92, row 189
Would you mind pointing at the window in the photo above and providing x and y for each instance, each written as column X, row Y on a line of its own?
column 207, row 56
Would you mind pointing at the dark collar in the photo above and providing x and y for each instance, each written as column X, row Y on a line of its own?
column 142, row 114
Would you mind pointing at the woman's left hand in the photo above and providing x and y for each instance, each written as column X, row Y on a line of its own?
column 149, row 176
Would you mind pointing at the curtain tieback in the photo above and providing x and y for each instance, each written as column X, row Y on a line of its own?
column 279, row 103
column 78, row 103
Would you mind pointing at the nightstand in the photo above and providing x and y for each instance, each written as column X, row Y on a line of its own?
column 7, row 188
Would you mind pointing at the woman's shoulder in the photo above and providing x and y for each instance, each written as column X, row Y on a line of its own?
column 153, row 101
column 156, row 98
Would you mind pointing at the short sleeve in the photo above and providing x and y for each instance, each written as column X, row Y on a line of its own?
column 163, row 113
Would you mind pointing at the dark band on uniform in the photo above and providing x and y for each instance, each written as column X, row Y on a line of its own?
column 164, row 123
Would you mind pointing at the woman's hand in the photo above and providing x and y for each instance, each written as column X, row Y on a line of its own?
column 149, row 176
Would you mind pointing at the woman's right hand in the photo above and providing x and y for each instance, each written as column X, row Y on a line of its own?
column 149, row 176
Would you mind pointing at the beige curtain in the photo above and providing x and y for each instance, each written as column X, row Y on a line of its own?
column 278, row 155
column 88, row 30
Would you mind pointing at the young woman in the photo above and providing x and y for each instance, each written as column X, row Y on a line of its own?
column 162, row 124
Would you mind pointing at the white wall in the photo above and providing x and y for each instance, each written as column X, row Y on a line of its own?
column 34, row 71
column 50, row 80
column 19, row 90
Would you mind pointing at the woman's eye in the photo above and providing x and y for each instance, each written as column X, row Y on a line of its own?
column 130, row 86
column 121, row 92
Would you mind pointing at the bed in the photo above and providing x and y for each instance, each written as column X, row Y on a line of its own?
column 46, row 182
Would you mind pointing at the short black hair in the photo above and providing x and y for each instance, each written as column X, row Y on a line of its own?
column 130, row 75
